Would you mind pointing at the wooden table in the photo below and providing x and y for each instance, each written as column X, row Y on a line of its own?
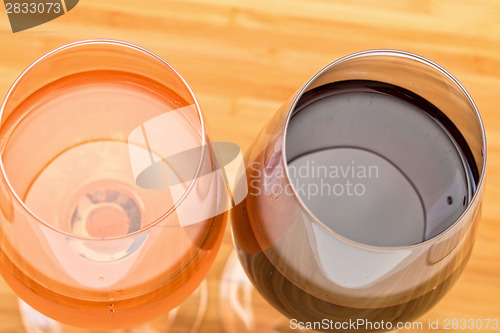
column 244, row 58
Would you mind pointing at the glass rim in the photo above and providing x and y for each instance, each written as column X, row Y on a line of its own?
column 391, row 53
column 117, row 43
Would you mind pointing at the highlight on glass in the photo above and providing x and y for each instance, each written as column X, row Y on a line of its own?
column 364, row 193
column 112, row 199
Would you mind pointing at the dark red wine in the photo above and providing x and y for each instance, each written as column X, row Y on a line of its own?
column 305, row 308
column 374, row 170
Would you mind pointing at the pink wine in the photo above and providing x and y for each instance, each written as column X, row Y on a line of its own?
column 66, row 154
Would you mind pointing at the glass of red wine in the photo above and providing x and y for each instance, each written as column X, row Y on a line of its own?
column 364, row 194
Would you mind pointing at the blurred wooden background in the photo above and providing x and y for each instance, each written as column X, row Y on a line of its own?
column 244, row 58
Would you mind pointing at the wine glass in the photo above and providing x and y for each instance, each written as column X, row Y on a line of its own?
column 364, row 195
column 112, row 203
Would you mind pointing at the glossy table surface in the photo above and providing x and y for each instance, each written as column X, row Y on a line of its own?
column 244, row 58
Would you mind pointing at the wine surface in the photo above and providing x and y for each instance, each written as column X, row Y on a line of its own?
column 381, row 166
